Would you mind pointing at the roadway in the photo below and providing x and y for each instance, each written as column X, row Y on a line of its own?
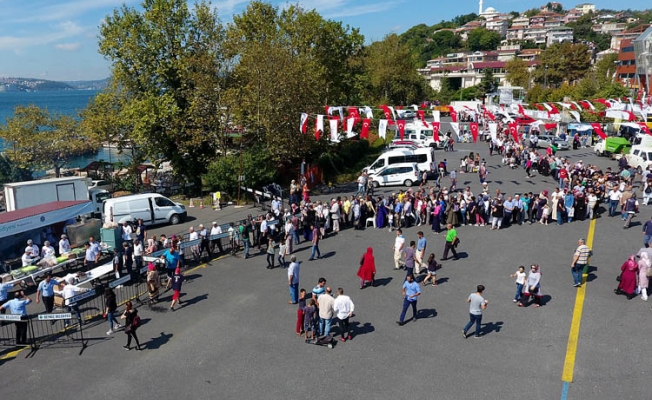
column 235, row 335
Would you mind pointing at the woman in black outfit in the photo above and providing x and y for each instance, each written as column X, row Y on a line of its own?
column 130, row 329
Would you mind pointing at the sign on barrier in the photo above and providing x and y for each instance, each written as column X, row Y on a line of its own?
column 85, row 295
column 50, row 317
column 10, row 317
column 120, row 281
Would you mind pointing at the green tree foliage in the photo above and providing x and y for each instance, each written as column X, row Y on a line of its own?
column 562, row 62
column 605, row 69
column 286, row 62
column 531, row 12
column 446, row 93
column 391, row 70
column 583, row 31
column 168, row 61
column 518, row 73
column 37, row 140
column 483, row 39
column 488, row 82
column 11, row 172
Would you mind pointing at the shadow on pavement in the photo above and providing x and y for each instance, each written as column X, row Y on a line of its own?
column 382, row 281
column 490, row 327
column 194, row 300
column 157, row 342
column 426, row 313
column 358, row 328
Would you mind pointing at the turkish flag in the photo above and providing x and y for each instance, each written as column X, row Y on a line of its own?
column 401, row 127
column 550, row 126
column 364, row 133
column 435, row 130
column 631, row 115
column 604, row 102
column 353, row 113
column 540, row 107
column 513, row 129
column 474, row 131
column 453, row 113
column 387, row 112
column 554, row 110
column 303, row 126
column 521, row 110
column 644, row 127
column 490, row 115
column 422, row 117
column 598, row 130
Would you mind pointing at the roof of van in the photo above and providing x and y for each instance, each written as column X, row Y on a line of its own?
column 135, row 197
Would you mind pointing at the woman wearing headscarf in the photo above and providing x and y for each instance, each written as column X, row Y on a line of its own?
column 532, row 287
column 643, row 281
column 367, row 269
column 381, row 215
column 627, row 285
column 543, row 200
column 153, row 283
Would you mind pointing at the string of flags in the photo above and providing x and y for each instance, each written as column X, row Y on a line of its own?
column 624, row 109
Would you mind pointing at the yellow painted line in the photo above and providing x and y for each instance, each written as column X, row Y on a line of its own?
column 14, row 353
column 573, row 336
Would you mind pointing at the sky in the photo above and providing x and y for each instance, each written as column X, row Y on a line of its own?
column 57, row 39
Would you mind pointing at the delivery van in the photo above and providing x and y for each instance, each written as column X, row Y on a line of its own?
column 424, row 158
column 152, row 208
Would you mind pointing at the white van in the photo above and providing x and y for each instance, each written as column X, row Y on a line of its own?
column 152, row 208
column 415, row 131
column 424, row 158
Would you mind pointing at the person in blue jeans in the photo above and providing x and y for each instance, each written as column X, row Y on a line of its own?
column 477, row 304
column 315, row 243
column 411, row 292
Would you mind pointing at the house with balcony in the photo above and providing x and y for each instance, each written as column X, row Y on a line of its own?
column 520, row 22
column 618, row 37
column 529, row 54
column 536, row 34
column 625, row 69
column 586, row 8
column 643, row 54
column 609, row 27
column 499, row 25
column 515, row 33
column 559, row 35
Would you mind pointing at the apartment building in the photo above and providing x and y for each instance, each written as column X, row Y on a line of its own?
column 586, row 8
column 559, row 35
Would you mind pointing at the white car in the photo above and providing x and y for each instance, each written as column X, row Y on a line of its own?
column 404, row 174
column 640, row 157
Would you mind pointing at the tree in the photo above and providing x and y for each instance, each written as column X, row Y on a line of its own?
column 168, row 61
column 11, row 172
column 605, row 69
column 562, row 62
column 37, row 140
column 392, row 74
column 488, row 82
column 483, row 39
column 518, row 73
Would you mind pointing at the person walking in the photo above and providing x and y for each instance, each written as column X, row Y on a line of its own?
column 451, row 242
column 18, row 306
column 477, row 304
column 420, row 254
column 293, row 279
column 643, row 279
column 411, row 292
column 109, row 311
column 367, row 270
column 343, row 308
column 46, row 290
column 153, row 283
column 132, row 323
column 532, row 287
column 315, row 243
column 172, row 262
column 177, row 281
column 409, row 258
column 647, row 233
column 432, row 270
column 520, row 281
column 580, row 260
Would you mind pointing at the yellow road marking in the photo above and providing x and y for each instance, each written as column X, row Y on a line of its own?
column 573, row 336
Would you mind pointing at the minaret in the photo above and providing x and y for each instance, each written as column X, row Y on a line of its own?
column 480, row 12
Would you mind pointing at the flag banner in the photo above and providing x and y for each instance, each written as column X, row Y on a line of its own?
column 474, row 131
column 382, row 128
column 575, row 115
column 349, row 125
column 303, row 126
column 644, row 127
column 364, row 133
column 386, row 111
column 334, row 123
column 422, row 117
column 368, row 112
column 436, row 126
column 513, row 129
column 436, row 115
column 401, row 128
column 393, row 112
column 353, row 113
column 456, row 128
column 598, row 130
column 319, row 126
column 493, row 130
column 453, row 113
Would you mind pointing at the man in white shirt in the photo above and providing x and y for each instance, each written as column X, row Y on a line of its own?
column 614, row 200
column 399, row 242
column 326, row 302
column 64, row 245
column 47, row 250
column 335, row 214
column 34, row 251
column 27, row 258
column 216, row 230
column 138, row 254
column 293, row 279
column 126, row 232
column 192, row 235
column 276, row 206
column 203, row 246
column 70, row 291
column 343, row 307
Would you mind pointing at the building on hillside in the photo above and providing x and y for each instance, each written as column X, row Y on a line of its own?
column 515, row 33
column 586, row 8
column 602, row 54
column 498, row 24
column 643, row 53
column 626, row 64
column 572, row 15
column 489, row 13
column 507, row 54
column 609, row 27
column 559, row 35
column 520, row 21
column 633, row 33
column 536, row 34
column 464, row 30
column 529, row 54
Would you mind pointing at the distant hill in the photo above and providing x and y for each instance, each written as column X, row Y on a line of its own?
column 10, row 84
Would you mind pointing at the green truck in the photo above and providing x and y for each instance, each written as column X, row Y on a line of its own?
column 612, row 145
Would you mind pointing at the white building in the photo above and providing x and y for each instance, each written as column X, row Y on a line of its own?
column 536, row 34
column 499, row 25
column 586, row 8
column 559, row 35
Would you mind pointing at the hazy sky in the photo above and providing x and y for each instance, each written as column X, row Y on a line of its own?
column 57, row 39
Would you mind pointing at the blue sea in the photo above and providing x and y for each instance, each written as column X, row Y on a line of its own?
column 69, row 102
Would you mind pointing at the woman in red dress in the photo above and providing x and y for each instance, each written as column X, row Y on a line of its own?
column 627, row 285
column 367, row 269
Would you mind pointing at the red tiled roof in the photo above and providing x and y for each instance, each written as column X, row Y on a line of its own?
column 489, row 64
column 452, row 68
column 36, row 210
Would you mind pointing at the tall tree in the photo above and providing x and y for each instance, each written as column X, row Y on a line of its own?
column 168, row 61
column 483, row 39
column 488, row 81
column 605, row 69
column 562, row 62
column 37, row 140
column 518, row 73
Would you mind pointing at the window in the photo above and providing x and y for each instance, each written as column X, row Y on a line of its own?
column 163, row 202
column 636, row 152
column 396, row 160
column 649, row 156
column 378, row 164
column 644, row 156
column 627, row 49
column 389, row 171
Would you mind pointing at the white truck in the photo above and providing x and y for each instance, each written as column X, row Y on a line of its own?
column 21, row 195
column 417, row 132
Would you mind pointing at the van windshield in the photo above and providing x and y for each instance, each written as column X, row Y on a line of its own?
column 427, row 132
column 378, row 164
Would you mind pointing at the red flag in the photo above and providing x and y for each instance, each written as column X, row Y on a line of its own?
column 453, row 113
column 632, row 117
column 401, row 127
column 540, row 107
column 387, row 112
column 399, row 107
column 604, row 102
column 521, row 110
column 513, row 129
column 490, row 115
column 435, row 130
column 554, row 110
column 353, row 112
column 364, row 133
column 422, row 117
column 598, row 130
column 474, row 131
column 549, row 126
column 328, row 108
column 585, row 104
column 644, row 127
column 639, row 95
column 303, row 126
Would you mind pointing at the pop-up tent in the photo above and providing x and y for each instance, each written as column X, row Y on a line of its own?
column 30, row 218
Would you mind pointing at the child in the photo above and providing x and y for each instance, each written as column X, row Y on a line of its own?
column 282, row 251
column 520, row 281
column 309, row 319
column 302, row 305
column 270, row 253
column 432, row 270
column 544, row 215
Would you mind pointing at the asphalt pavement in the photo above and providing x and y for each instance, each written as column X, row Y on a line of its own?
column 234, row 337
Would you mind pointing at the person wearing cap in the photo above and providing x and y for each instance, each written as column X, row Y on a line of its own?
column 64, row 245
column 4, row 287
column 47, row 250
column 126, row 232
column 92, row 255
column 204, row 243
column 216, row 243
column 27, row 258
column 18, row 306
column 46, row 290
column 33, row 249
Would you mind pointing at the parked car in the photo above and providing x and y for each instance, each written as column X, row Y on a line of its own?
column 640, row 157
column 405, row 114
column 404, row 174
column 101, row 184
column 546, row 141
column 403, row 144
